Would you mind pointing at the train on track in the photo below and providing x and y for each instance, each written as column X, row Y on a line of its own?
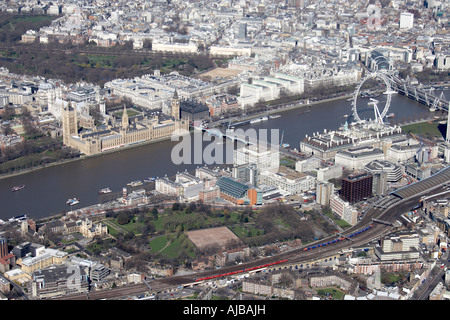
column 240, row 271
column 337, row 240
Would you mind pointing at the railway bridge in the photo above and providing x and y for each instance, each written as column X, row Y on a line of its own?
column 421, row 94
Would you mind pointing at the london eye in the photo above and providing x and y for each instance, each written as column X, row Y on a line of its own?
column 359, row 110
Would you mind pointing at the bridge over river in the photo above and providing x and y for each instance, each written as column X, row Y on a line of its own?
column 420, row 93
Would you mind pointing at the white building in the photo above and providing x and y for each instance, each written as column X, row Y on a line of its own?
column 400, row 153
column 270, row 88
column 174, row 47
column 185, row 186
column 191, row 185
column 357, row 158
column 332, row 172
column 398, row 247
column 442, row 61
column 406, row 20
column 288, row 180
column 230, row 51
column 265, row 159
column 310, row 164
column 168, row 187
column 135, row 197
column 447, row 154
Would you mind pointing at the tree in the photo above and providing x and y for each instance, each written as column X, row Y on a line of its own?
column 123, row 218
column 96, row 114
column 155, row 213
column 7, row 130
column 7, row 113
column 176, row 206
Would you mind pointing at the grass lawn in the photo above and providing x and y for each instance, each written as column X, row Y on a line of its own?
column 390, row 278
column 244, row 231
column 425, row 129
column 131, row 113
column 334, row 292
column 112, row 227
column 287, row 162
column 158, row 243
column 342, row 223
column 170, row 248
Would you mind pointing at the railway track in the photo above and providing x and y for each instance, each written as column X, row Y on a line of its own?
column 295, row 256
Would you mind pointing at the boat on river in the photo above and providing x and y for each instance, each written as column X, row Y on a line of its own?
column 17, row 188
column 104, row 191
column 73, row 201
column 135, row 183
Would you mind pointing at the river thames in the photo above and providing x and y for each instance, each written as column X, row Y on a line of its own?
column 48, row 189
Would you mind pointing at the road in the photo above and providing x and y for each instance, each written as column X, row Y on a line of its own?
column 296, row 256
column 436, row 276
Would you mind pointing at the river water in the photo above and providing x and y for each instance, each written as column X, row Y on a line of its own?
column 48, row 189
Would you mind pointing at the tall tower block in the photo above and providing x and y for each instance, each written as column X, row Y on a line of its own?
column 70, row 127
column 3, row 247
column 447, row 137
column 175, row 106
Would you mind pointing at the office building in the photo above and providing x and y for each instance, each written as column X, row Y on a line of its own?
column 209, row 194
column 343, row 209
column 238, row 193
column 27, row 248
column 265, row 159
column 192, row 110
column 350, row 136
column 191, row 185
column 357, row 186
column 44, row 259
column 379, row 183
column 57, row 281
column 331, row 172
column 288, row 180
column 99, row 272
column 247, row 173
column 357, row 158
column 398, row 247
column 308, row 165
column 242, row 32
column 394, row 171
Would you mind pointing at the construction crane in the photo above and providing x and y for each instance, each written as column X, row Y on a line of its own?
column 419, row 142
column 421, row 146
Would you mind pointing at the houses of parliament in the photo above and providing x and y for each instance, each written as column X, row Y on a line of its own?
column 113, row 136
